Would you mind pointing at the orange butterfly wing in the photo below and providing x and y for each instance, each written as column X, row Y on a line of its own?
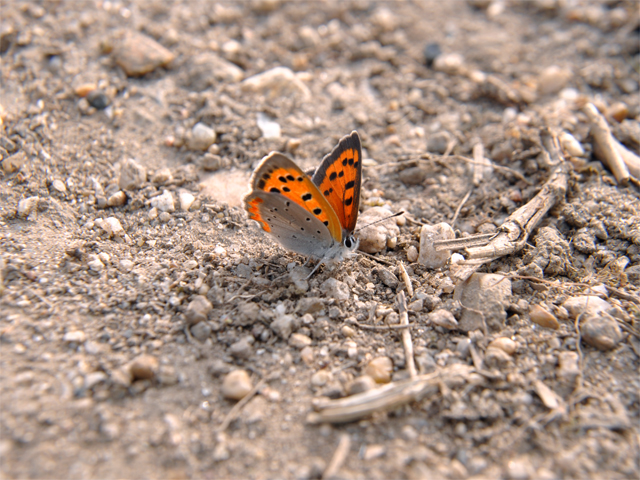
column 339, row 177
column 278, row 174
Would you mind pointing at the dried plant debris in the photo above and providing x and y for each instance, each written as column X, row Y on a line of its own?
column 490, row 331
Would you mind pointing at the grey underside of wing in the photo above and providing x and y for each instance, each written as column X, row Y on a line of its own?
column 294, row 227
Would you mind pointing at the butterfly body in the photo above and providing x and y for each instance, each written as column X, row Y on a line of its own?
column 311, row 215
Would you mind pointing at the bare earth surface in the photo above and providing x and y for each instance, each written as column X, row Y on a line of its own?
column 132, row 284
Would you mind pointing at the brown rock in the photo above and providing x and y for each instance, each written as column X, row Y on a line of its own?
column 541, row 316
column 236, row 385
column 380, row 369
column 144, row 367
column 139, row 54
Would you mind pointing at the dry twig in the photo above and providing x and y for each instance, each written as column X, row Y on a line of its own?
column 406, row 336
column 339, row 456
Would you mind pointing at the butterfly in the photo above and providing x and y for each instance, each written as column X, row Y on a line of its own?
column 312, row 215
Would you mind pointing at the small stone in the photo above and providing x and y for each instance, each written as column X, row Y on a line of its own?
column 269, row 127
column 416, row 306
column 84, row 89
column 568, row 372
column 211, row 162
column 431, row 52
column 144, row 367
column 380, row 369
column 571, row 145
column 125, row 265
column 94, row 263
column 59, row 186
column 463, row 347
column 162, row 177
column 633, row 275
column 553, row 79
column 15, row 162
column 540, row 316
column 167, row 375
column 443, row 318
column 412, row 254
column 387, row 277
column 27, row 205
column 113, row 227
column 321, row 378
column 186, row 200
column 589, row 304
column 98, row 99
column 132, row 175
column 451, row 63
column 335, row 289
column 601, row 331
column 201, row 137
column 277, row 82
column 201, row 331
column 198, row 310
column 164, row 217
column 283, row 326
column 242, row 349
column 373, row 239
column 299, row 341
column 118, row 199
column 236, row 385
column 164, row 202
column 429, row 234
column 413, row 175
column 519, row 469
column 439, row 142
column 309, row 305
column 76, row 336
column 93, row 379
column 487, row 293
column 138, row 54
column 121, row 377
column 104, row 257
column 505, row 344
column 496, row 358
column 307, row 355
column 361, row 384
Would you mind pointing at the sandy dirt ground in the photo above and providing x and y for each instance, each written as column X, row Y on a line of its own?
column 138, row 303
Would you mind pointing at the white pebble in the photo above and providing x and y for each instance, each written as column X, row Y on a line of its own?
column 164, row 202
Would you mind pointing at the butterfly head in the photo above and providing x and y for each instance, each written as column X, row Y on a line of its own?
column 350, row 242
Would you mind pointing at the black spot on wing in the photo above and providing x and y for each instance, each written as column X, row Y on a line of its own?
column 349, row 185
column 275, row 190
column 333, row 176
column 317, row 211
column 307, row 196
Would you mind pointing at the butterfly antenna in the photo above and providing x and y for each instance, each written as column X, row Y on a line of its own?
column 381, row 220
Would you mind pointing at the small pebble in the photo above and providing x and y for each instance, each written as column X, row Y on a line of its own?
column 450, row 63
column 197, row 310
column 138, row 54
column 540, row 316
column 113, row 227
column 27, row 205
column 299, row 341
column 76, row 336
column 553, row 79
column 164, row 202
column 443, row 318
column 118, row 199
column 412, row 254
column 132, row 175
column 283, row 326
column 144, row 367
column 59, row 186
column 438, row 142
column 431, row 52
column 162, row 177
column 380, row 369
column 277, row 82
column 373, row 239
column 496, row 358
column 307, row 355
column 201, row 137
column 321, row 378
column 94, row 263
column 186, row 200
column 571, row 145
column 505, row 344
column 236, row 385
column 98, row 99
column 347, row 331
column 361, row 384
column 335, row 289
column 589, row 304
column 429, row 234
column 201, row 331
column 242, row 349
column 601, row 331
column 164, row 217
column 387, row 277
column 211, row 162
column 125, row 265
column 269, row 127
